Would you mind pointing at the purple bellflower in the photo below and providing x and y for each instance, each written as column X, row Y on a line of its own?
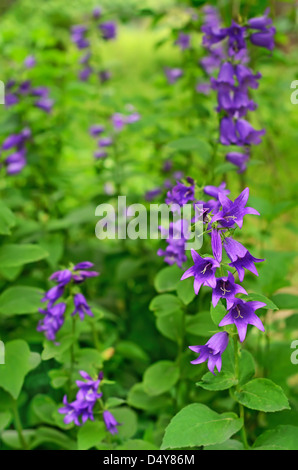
column 212, row 351
column 110, row 422
column 203, row 271
column 242, row 314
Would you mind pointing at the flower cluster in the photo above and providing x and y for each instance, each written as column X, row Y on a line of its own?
column 118, row 122
column 17, row 91
column 234, row 81
column 82, row 408
column 79, row 36
column 178, row 232
column 16, row 145
column 53, row 314
column 221, row 217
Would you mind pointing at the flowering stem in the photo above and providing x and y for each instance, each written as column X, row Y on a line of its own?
column 241, row 407
column 18, row 425
column 236, row 9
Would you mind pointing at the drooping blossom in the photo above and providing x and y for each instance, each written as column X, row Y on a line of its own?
column 212, row 351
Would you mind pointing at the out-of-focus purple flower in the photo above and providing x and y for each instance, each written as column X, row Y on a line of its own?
column 181, row 194
column 183, row 41
column 46, row 104
column 173, row 74
column 96, row 130
column 132, row 118
column 110, row 422
column 81, row 307
column 11, row 99
column 100, row 154
column 30, row 61
column 62, row 277
column 203, row 271
column 177, row 236
column 80, row 272
column 88, row 389
column 85, row 73
column 105, row 142
column 264, row 39
column 203, row 88
column 108, row 30
column 212, row 351
column 96, row 13
column 86, row 398
column 167, row 166
column 214, row 191
column 246, row 78
column 247, row 134
column 53, row 320
column 104, row 76
column 239, row 159
column 53, row 294
column 118, row 121
column 240, row 257
column 16, row 161
column 152, row 194
column 226, row 288
column 243, row 314
column 24, row 87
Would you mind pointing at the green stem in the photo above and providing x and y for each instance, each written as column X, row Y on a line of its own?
column 241, row 407
column 18, row 425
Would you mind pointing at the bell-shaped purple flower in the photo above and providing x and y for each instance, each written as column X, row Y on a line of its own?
column 110, row 422
column 242, row 314
column 212, row 351
column 203, row 271
column 226, row 288
column 81, row 307
column 233, row 212
column 240, row 257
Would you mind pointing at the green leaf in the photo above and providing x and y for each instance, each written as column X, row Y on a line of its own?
column 91, row 434
column 167, row 279
column 192, row 143
column 112, row 402
column 5, row 419
column 200, row 324
column 197, row 425
column 260, row 298
column 165, row 303
column 186, row 291
column 17, row 255
column 11, row 437
column 52, row 350
column 18, row 362
column 160, row 377
column 230, row 444
column 283, row 437
column 128, row 421
column 217, row 313
column 43, row 408
column 49, row 435
column 20, row 300
column 7, row 219
column 138, row 398
column 171, row 325
column 132, row 351
column 227, row 377
column 262, row 395
column 137, row 444
column 286, row 301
